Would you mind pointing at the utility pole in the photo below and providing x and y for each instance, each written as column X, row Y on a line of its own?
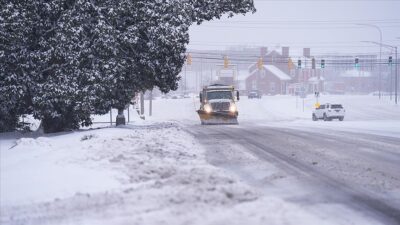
column 151, row 103
column 141, row 103
column 391, row 80
column 396, row 82
column 211, row 76
column 396, row 77
column 201, row 73
column 380, row 53
column 185, row 81
column 110, row 116
column 129, row 105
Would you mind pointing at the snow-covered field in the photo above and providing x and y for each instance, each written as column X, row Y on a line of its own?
column 154, row 172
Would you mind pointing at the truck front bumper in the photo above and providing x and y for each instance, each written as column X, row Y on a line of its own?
column 220, row 117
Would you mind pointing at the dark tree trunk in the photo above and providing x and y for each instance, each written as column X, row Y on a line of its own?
column 59, row 124
column 120, row 117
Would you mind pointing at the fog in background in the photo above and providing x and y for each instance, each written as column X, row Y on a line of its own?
column 324, row 26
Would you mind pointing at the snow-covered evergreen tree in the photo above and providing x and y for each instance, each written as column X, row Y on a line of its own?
column 15, row 63
column 64, row 60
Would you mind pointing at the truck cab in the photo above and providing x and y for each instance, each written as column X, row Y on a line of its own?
column 218, row 105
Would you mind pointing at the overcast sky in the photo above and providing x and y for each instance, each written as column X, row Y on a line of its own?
column 327, row 26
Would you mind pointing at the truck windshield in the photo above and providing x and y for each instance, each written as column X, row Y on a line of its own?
column 219, row 95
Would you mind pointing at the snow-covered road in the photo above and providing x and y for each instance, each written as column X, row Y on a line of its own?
column 275, row 167
column 342, row 171
column 339, row 176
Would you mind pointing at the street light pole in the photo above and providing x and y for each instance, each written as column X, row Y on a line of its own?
column 396, row 65
column 396, row 77
column 380, row 53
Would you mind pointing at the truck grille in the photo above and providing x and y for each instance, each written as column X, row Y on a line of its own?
column 220, row 106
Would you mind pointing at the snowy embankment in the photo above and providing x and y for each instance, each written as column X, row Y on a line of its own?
column 153, row 173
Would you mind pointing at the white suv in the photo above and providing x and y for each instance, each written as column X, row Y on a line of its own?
column 328, row 112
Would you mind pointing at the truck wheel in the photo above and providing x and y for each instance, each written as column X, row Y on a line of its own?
column 326, row 118
column 314, row 118
column 341, row 118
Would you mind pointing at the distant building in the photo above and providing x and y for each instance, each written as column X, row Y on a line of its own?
column 357, row 81
column 241, row 80
column 269, row 80
column 274, row 76
column 227, row 76
column 342, row 76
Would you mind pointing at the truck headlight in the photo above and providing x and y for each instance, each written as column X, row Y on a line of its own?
column 207, row 108
column 232, row 108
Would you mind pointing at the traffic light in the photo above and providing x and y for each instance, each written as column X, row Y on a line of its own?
column 356, row 63
column 390, row 60
column 322, row 63
column 299, row 63
column 226, row 62
column 290, row 64
column 313, row 63
column 189, row 59
column 260, row 63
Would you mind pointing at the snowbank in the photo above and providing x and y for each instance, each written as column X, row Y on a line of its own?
column 147, row 174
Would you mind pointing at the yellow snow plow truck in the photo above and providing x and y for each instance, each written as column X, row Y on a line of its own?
column 217, row 105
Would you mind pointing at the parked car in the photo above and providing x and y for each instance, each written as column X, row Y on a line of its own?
column 254, row 94
column 327, row 112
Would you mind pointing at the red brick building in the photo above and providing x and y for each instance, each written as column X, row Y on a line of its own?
column 273, row 78
column 269, row 80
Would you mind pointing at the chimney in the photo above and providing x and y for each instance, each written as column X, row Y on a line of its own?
column 263, row 51
column 285, row 52
column 307, row 52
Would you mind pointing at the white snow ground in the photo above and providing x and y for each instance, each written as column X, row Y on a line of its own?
column 153, row 172
column 148, row 174
column 364, row 113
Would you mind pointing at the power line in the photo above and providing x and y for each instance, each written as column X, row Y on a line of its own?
column 293, row 26
column 308, row 21
column 265, row 1
column 254, row 58
column 288, row 43
column 295, row 46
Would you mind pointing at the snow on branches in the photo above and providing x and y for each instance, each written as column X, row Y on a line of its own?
column 66, row 59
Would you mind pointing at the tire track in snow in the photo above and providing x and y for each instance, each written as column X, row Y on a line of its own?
column 258, row 140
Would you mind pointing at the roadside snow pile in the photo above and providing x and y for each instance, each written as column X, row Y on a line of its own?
column 148, row 174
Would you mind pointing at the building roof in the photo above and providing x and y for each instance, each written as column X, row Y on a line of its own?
column 254, row 72
column 277, row 72
column 355, row 73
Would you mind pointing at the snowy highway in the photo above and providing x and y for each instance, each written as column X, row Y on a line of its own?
column 359, row 172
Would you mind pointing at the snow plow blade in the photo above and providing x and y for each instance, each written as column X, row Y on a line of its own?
column 216, row 118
